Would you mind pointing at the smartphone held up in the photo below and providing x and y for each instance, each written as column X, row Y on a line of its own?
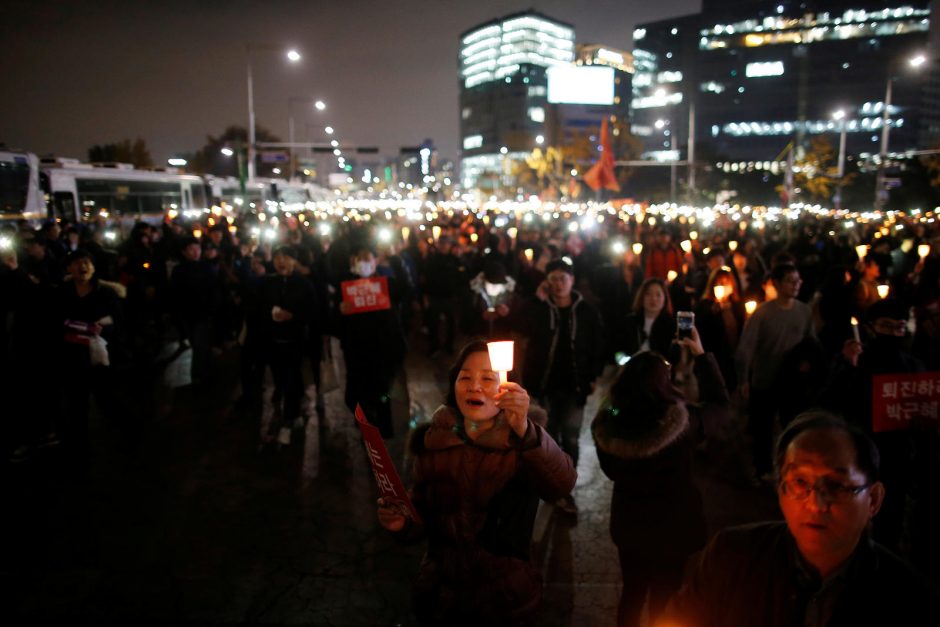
column 685, row 320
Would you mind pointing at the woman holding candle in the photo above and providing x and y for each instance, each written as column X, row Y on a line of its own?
column 720, row 317
column 480, row 467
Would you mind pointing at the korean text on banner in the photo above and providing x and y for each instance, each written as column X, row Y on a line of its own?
column 362, row 295
column 905, row 401
column 390, row 486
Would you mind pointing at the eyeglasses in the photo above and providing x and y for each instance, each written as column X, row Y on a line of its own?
column 799, row 489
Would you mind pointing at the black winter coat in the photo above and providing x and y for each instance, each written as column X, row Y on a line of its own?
column 587, row 344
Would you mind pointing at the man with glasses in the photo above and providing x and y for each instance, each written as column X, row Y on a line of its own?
column 775, row 329
column 821, row 566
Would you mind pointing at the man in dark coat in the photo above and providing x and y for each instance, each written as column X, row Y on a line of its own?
column 565, row 355
column 373, row 346
column 821, row 567
column 288, row 303
column 194, row 291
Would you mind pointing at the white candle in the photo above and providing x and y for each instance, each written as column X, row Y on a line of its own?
column 855, row 329
column 500, row 358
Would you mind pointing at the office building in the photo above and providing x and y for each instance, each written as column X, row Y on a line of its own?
column 756, row 75
column 504, row 91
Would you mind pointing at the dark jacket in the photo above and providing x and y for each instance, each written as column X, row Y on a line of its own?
column 586, row 340
column 753, row 575
column 194, row 290
column 629, row 335
column 656, row 510
column 477, row 500
column 292, row 293
column 75, row 311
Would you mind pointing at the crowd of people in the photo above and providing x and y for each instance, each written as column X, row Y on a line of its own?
column 792, row 316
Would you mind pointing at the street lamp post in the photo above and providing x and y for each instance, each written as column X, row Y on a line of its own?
column 840, row 115
column 292, row 56
column 319, row 105
column 881, row 194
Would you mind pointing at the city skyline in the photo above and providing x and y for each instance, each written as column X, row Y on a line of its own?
column 174, row 72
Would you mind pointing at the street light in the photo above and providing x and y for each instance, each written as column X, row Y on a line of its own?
column 293, row 56
column 319, row 105
column 840, row 116
column 880, row 193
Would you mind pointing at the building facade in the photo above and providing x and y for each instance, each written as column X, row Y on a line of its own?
column 504, row 91
column 752, row 76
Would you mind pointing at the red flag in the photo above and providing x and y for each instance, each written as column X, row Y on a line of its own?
column 601, row 173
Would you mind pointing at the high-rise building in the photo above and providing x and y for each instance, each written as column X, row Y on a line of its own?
column 758, row 74
column 504, row 91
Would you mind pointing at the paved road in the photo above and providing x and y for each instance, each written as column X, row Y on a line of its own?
column 178, row 518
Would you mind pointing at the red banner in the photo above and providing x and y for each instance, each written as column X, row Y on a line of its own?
column 362, row 295
column 390, row 486
column 905, row 401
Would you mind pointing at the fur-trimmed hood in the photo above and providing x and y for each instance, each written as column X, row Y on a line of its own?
column 618, row 433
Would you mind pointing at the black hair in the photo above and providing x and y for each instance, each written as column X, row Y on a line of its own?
column 75, row 255
column 780, row 271
column 644, row 386
column 286, row 250
column 559, row 264
column 475, row 346
column 641, row 294
column 867, row 457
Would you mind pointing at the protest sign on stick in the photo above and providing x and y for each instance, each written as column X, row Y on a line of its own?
column 390, row 486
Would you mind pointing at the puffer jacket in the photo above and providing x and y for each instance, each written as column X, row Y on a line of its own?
column 656, row 510
column 478, row 500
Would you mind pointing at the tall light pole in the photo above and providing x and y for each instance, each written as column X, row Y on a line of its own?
column 840, row 116
column 293, row 56
column 881, row 194
column 318, row 105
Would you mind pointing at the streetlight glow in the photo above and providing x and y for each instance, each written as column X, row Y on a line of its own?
column 838, row 115
column 918, row 60
column 293, row 55
column 319, row 105
column 176, row 162
column 228, row 152
column 329, row 130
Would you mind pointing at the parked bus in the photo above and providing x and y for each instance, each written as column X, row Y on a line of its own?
column 19, row 187
column 118, row 193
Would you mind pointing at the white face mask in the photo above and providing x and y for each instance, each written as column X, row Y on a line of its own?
column 364, row 268
column 494, row 289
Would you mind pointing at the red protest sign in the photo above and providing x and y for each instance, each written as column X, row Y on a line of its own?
column 390, row 486
column 905, row 401
column 362, row 295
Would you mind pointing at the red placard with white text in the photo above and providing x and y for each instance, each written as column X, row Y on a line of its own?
column 390, row 486
column 905, row 401
column 362, row 295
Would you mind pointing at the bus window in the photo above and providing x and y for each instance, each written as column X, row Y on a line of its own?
column 14, row 186
column 63, row 206
column 199, row 196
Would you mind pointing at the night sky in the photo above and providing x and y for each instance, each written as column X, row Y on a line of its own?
column 78, row 73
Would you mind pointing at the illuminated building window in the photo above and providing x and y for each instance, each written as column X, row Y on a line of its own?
column 465, row 113
column 537, row 114
column 497, row 51
column 712, row 87
column 473, row 141
column 768, row 68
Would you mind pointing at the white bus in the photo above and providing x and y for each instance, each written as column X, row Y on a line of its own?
column 19, row 187
column 118, row 193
